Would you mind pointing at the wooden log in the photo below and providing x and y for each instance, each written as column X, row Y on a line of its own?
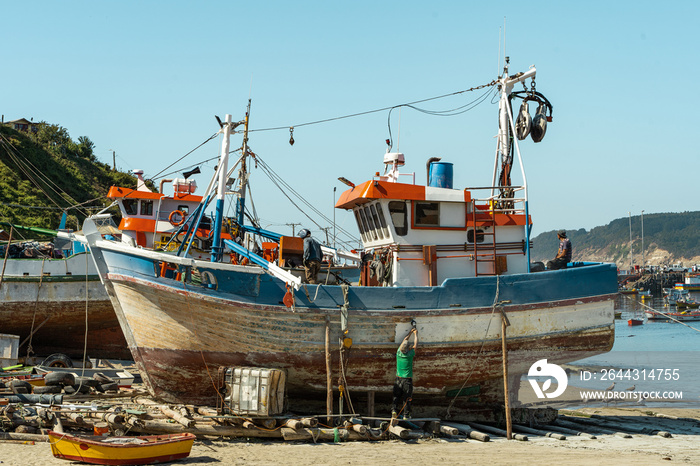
column 22, row 421
column 176, row 416
column 329, row 382
column 576, row 427
column 432, row 426
column 509, row 422
column 541, row 433
column 399, row 431
column 295, row 424
column 76, row 417
column 448, row 430
column 156, row 427
column 309, row 422
column 360, row 429
column 25, row 437
column 206, row 411
column 566, row 430
column 497, row 431
column 267, row 423
column 468, row 431
column 317, row 433
column 248, row 424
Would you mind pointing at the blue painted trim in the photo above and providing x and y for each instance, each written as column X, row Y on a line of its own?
column 259, row 231
column 232, row 245
column 527, row 235
column 216, row 248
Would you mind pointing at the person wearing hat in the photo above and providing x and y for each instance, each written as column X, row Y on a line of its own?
column 312, row 256
column 563, row 254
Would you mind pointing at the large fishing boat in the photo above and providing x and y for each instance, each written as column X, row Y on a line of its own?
column 452, row 262
column 50, row 293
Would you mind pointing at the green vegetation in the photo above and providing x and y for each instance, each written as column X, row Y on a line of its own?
column 677, row 233
column 44, row 173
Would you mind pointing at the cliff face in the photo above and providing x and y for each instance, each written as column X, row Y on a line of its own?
column 669, row 238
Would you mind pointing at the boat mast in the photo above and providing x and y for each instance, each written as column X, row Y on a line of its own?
column 243, row 172
column 506, row 128
column 216, row 249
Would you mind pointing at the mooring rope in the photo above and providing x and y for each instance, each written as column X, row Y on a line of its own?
column 483, row 342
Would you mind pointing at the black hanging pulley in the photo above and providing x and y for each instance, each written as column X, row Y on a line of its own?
column 539, row 123
column 523, row 123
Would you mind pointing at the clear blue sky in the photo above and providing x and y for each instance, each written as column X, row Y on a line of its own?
column 145, row 79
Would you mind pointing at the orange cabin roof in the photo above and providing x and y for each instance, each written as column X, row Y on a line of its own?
column 117, row 192
column 374, row 189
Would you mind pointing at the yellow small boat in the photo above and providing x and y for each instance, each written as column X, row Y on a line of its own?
column 146, row 449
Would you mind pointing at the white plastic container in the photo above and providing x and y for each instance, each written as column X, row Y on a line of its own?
column 254, row 391
column 9, row 348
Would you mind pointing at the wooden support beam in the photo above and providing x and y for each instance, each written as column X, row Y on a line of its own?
column 370, row 403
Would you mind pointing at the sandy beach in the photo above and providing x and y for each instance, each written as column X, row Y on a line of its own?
column 638, row 450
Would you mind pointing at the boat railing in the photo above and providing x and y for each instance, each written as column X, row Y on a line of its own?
column 498, row 203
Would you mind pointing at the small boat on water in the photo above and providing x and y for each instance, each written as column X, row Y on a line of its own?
column 690, row 283
column 634, row 322
column 682, row 316
column 452, row 260
column 687, row 303
column 147, row 449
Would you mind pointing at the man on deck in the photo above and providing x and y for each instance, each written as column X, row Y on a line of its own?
column 403, row 386
column 563, row 254
column 312, row 256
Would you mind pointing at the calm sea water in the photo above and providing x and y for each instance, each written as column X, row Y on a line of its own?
column 671, row 350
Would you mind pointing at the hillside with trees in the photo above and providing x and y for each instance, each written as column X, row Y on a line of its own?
column 45, row 172
column 669, row 238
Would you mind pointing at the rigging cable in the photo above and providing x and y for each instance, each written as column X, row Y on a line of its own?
column 277, row 181
column 34, row 175
column 492, row 83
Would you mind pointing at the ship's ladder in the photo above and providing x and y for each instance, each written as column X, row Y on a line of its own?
column 485, row 251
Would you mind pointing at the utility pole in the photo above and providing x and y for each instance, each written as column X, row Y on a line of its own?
column 643, row 261
column 293, row 225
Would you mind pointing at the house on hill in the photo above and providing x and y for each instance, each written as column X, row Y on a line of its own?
column 23, row 125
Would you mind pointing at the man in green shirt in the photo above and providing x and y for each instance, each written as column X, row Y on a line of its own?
column 403, row 386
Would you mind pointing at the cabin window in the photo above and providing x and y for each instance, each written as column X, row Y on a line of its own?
column 147, row 208
column 370, row 223
column 185, row 209
column 367, row 224
column 130, row 206
column 427, row 214
column 382, row 220
column 397, row 212
column 380, row 231
column 361, row 226
column 479, row 236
